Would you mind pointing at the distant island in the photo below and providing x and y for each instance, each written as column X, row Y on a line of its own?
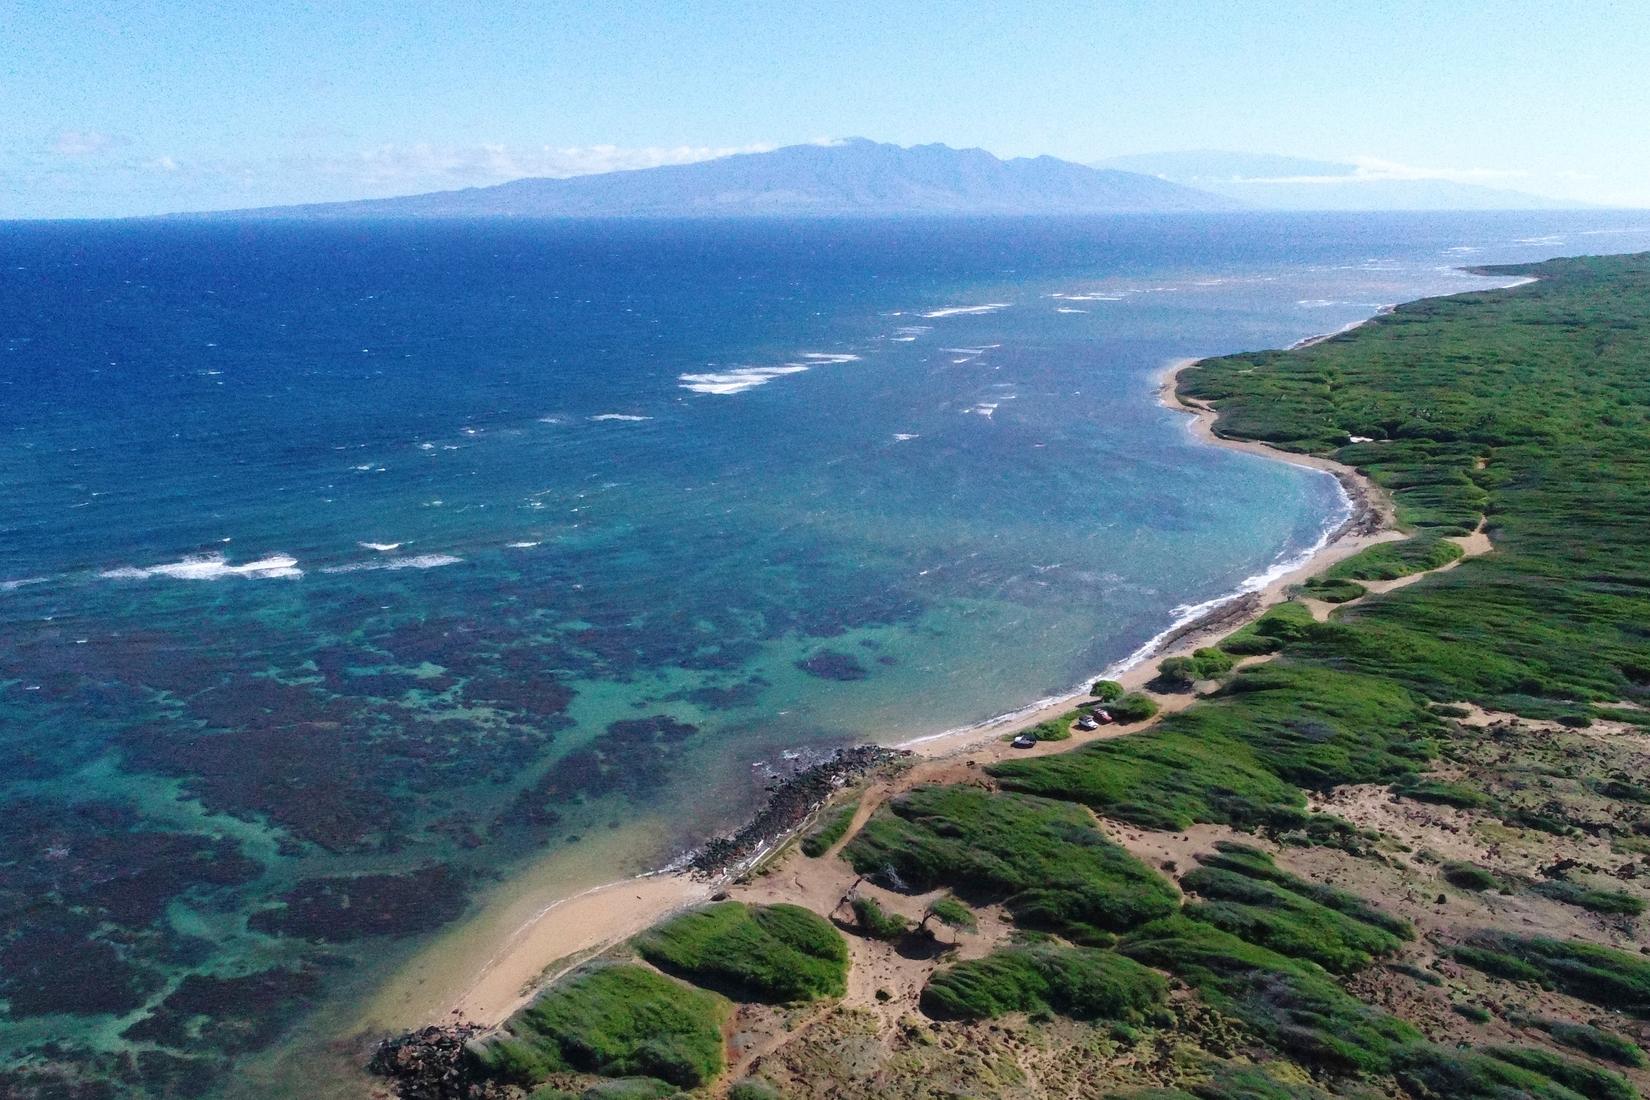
column 853, row 177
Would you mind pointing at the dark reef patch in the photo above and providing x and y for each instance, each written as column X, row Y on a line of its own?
column 339, row 908
column 830, row 664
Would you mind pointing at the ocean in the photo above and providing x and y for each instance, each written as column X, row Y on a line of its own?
column 359, row 580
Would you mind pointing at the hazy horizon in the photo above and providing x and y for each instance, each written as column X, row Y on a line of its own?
column 160, row 108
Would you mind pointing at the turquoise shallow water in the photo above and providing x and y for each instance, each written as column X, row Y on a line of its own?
column 348, row 568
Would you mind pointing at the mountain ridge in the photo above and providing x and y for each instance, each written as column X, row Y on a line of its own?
column 852, row 177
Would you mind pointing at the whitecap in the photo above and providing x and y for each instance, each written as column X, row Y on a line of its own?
column 21, row 582
column 620, row 416
column 901, row 437
column 210, row 567
column 737, row 380
column 521, row 545
column 418, row 561
column 1088, row 297
column 955, row 311
column 1068, row 309
column 379, row 546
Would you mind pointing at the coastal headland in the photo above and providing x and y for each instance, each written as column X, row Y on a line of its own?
column 1378, row 830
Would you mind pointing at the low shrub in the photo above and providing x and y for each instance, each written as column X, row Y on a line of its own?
column 770, row 953
column 1439, row 1073
column 832, row 827
column 1593, row 1041
column 1388, row 561
column 617, row 1020
column 1422, row 789
column 1081, row 982
column 876, row 922
column 1610, row 902
column 1292, row 1004
column 1333, row 590
column 1106, row 690
column 1046, row 861
column 1600, row 975
column 1469, row 876
column 1133, row 707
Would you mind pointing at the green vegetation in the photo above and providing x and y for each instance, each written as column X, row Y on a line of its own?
column 1387, row 561
column 1241, row 757
column 951, row 913
column 1602, row 975
column 1530, row 407
column 1133, row 707
column 1333, row 590
column 1082, row 982
column 1424, row 789
column 772, row 953
column 832, row 827
column 1611, row 902
column 1292, row 1004
column 1054, row 729
column 753, row 1088
column 877, row 922
column 1046, row 861
column 1269, row 633
column 1236, row 1081
column 1592, row 1041
column 615, row 1021
column 1246, row 894
column 1106, row 690
column 1470, row 876
column 1204, row 664
column 1502, row 1073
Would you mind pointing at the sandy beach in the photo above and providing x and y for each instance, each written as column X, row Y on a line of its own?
column 565, row 933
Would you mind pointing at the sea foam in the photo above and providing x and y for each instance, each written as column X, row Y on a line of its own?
column 956, row 311
column 210, row 567
column 416, row 561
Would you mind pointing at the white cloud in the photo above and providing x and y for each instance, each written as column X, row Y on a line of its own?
column 1365, row 169
column 81, row 143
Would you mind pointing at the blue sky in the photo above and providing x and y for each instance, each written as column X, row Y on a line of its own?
column 139, row 107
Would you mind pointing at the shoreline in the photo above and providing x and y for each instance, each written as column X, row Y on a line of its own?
column 572, row 930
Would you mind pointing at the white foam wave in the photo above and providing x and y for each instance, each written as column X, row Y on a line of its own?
column 957, row 311
column 901, row 437
column 1088, row 297
column 1068, row 309
column 620, row 416
column 382, row 547
column 210, row 567
column 21, row 582
column 521, row 545
column 416, row 561
column 737, row 380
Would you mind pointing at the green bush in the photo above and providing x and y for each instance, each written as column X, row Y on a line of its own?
column 1387, row 561
column 1290, row 1003
column 615, row 1020
column 1470, row 876
column 1437, row 1073
column 771, row 953
column 1246, row 894
column 1602, row 975
column 1281, row 624
column 877, row 922
column 1594, row 1042
column 1175, row 673
column 1080, row 982
column 753, row 1088
column 1106, row 690
column 1612, row 902
column 1443, row 793
column 1133, row 707
column 1046, row 861
column 832, row 827
column 1333, row 590
column 953, row 914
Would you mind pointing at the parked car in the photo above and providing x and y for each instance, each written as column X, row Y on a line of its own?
column 1024, row 741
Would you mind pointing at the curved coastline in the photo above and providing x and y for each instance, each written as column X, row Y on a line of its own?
column 565, row 932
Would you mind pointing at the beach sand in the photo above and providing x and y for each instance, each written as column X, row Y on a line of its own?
column 561, row 934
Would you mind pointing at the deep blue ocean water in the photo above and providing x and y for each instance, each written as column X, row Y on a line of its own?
column 346, row 569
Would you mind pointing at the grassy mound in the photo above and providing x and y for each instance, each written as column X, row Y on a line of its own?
column 1268, row 634
column 1240, row 757
column 1333, row 590
column 1046, row 861
column 1603, row 1045
column 1292, row 1004
column 771, row 953
column 613, row 1021
column 1084, row 983
column 876, row 922
column 1503, row 1073
column 1387, row 561
column 832, row 827
column 1246, row 894
column 1601, row 975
